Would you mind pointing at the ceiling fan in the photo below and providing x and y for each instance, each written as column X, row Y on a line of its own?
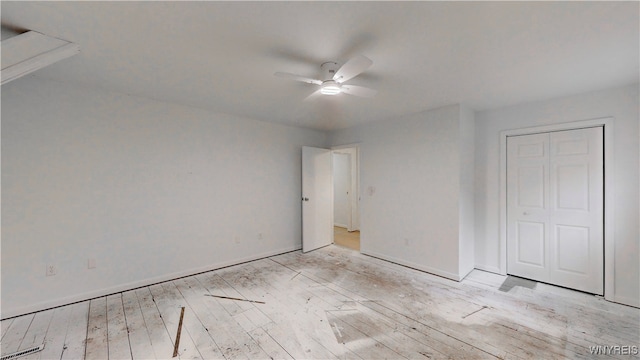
column 334, row 77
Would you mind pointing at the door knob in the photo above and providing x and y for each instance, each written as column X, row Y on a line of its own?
column 525, row 213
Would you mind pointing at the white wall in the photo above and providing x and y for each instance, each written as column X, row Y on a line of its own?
column 410, row 189
column 341, row 188
column 620, row 103
column 467, row 191
column 153, row 190
column 150, row 190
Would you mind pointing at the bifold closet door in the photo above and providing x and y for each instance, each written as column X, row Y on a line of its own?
column 555, row 208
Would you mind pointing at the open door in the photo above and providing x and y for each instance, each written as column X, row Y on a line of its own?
column 317, row 198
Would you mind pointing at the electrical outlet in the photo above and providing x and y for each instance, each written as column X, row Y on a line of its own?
column 406, row 242
column 236, row 239
column 51, row 270
column 260, row 236
column 91, row 263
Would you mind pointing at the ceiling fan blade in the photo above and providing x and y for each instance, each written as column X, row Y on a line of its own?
column 352, row 68
column 298, row 78
column 358, row 91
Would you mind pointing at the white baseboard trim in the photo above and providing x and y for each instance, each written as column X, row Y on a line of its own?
column 487, row 268
column 465, row 272
column 428, row 269
column 340, row 225
column 9, row 313
column 627, row 301
column 616, row 299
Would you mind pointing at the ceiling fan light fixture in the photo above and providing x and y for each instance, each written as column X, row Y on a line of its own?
column 335, row 76
column 330, row 87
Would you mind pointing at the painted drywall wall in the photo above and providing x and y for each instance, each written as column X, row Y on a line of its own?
column 620, row 103
column 341, row 188
column 467, row 190
column 410, row 189
column 150, row 190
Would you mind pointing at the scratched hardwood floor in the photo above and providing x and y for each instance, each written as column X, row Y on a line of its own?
column 327, row 304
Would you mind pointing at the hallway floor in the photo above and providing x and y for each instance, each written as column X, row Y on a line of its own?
column 342, row 237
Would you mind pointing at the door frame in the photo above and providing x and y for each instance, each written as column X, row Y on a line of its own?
column 609, row 243
column 355, row 186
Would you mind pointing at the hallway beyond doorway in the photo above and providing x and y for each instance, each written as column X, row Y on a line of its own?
column 347, row 239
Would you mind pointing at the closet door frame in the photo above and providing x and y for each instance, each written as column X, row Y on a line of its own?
column 609, row 243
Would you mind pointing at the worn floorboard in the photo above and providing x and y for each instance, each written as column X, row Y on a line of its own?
column 332, row 303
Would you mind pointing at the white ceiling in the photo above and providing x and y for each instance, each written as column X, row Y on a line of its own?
column 222, row 55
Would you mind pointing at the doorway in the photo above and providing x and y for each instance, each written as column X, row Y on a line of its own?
column 346, row 224
column 555, row 208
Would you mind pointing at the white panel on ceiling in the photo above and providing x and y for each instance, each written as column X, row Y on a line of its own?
column 31, row 51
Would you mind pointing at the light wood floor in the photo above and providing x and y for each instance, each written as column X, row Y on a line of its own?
column 329, row 303
column 342, row 237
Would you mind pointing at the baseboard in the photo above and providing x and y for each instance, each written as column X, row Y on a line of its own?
column 465, row 272
column 487, row 268
column 428, row 269
column 616, row 299
column 45, row 305
column 627, row 301
column 340, row 225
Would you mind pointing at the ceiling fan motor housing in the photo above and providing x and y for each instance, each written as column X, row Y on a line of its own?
column 329, row 69
column 329, row 86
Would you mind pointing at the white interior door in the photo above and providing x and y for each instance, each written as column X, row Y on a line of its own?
column 317, row 198
column 576, row 216
column 527, row 206
column 555, row 211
